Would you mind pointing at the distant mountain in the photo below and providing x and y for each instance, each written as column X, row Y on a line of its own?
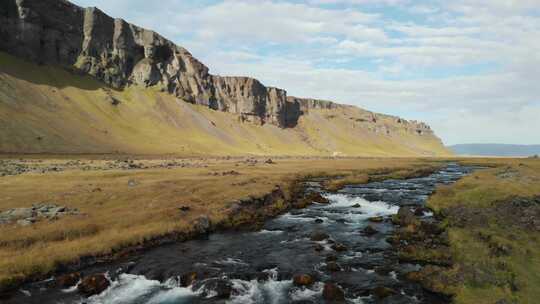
column 496, row 149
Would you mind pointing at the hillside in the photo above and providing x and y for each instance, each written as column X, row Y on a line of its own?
column 496, row 150
column 74, row 80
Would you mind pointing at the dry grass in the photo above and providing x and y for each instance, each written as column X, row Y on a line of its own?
column 116, row 215
column 488, row 276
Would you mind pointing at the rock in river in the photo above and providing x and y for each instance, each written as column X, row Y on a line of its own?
column 93, row 284
column 303, row 280
column 333, row 293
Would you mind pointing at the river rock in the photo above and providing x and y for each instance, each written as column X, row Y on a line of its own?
column 202, row 225
column 68, row 280
column 405, row 216
column 303, row 280
column 369, row 231
column 376, row 219
column 319, row 236
column 339, row 247
column 333, row 266
column 318, row 198
column 187, row 279
column 93, row 284
column 383, row 292
column 223, row 289
column 333, row 293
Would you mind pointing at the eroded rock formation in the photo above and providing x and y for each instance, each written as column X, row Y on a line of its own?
column 122, row 54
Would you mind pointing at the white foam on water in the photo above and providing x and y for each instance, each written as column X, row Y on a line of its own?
column 72, row 288
column 290, row 217
column 368, row 209
column 252, row 292
column 129, row 288
column 264, row 231
column 307, row 293
column 230, row 261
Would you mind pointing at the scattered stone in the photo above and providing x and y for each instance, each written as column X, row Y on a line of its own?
column 319, row 221
column 28, row 216
column 303, row 280
column 270, row 162
column 333, row 292
column 132, row 183
column 93, row 284
column 319, row 247
column 356, row 206
column 319, row 236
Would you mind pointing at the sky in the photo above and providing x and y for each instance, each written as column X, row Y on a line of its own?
column 468, row 68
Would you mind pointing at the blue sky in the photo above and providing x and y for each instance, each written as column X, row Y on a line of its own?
column 469, row 68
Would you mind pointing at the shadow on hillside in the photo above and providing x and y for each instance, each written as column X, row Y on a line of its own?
column 54, row 76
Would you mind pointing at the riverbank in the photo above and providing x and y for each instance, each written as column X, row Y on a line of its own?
column 489, row 237
column 125, row 205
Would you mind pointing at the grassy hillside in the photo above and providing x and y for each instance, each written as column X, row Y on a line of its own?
column 46, row 109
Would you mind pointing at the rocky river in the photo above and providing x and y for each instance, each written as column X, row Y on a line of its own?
column 325, row 253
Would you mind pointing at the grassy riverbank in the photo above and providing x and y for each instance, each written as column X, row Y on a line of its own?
column 493, row 221
column 120, row 208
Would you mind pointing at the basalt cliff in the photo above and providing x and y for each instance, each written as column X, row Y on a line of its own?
column 124, row 57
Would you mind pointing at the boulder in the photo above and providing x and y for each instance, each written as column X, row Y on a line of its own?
column 187, row 279
column 68, row 280
column 333, row 293
column 223, row 289
column 303, row 280
column 318, row 198
column 202, row 225
column 93, row 284
column 405, row 216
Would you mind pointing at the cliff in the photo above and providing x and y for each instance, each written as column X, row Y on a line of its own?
column 123, row 56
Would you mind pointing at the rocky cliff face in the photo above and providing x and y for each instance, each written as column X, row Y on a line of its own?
column 121, row 54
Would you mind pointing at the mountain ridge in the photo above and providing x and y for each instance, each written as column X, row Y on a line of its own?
column 122, row 55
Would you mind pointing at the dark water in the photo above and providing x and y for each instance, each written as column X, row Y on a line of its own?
column 259, row 265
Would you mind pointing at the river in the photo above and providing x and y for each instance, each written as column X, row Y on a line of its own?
column 258, row 267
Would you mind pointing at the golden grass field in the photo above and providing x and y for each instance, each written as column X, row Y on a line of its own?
column 116, row 215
